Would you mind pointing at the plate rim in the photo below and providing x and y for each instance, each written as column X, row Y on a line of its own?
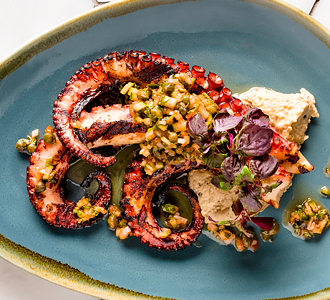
column 63, row 274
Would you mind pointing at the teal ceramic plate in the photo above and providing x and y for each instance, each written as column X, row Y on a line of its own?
column 248, row 43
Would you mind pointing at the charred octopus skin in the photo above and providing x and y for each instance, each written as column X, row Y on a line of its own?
column 95, row 78
column 110, row 126
column 138, row 191
column 48, row 165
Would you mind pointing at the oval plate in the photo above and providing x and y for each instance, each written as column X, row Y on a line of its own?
column 250, row 43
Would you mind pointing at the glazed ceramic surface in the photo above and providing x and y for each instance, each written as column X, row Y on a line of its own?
column 247, row 44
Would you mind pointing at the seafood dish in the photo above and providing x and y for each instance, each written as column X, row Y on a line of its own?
column 183, row 121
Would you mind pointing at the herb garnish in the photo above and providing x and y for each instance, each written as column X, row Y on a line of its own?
column 239, row 146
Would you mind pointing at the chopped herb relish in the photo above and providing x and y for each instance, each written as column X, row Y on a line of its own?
column 86, row 211
column 117, row 223
column 309, row 219
column 268, row 235
column 173, row 218
column 242, row 239
column 28, row 145
column 165, row 109
column 230, row 235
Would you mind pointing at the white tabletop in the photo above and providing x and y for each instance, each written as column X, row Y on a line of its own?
column 20, row 21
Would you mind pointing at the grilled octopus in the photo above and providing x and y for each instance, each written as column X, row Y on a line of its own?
column 138, row 192
column 79, row 130
column 95, row 78
column 48, row 197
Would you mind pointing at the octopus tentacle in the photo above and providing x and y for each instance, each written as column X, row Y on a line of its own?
column 138, row 191
column 112, row 125
column 49, row 199
column 98, row 77
column 289, row 156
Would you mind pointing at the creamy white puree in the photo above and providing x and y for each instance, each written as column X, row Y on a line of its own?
column 289, row 114
column 214, row 202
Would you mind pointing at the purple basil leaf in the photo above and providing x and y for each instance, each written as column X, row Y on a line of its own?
column 214, row 160
column 249, row 197
column 196, row 126
column 264, row 223
column 231, row 140
column 223, row 121
column 203, row 142
column 263, row 166
column 221, row 183
column 256, row 116
column 237, row 207
column 220, row 137
column 231, row 167
column 253, row 140
column 216, row 181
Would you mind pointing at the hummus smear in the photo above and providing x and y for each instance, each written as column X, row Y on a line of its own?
column 214, row 202
column 289, row 115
